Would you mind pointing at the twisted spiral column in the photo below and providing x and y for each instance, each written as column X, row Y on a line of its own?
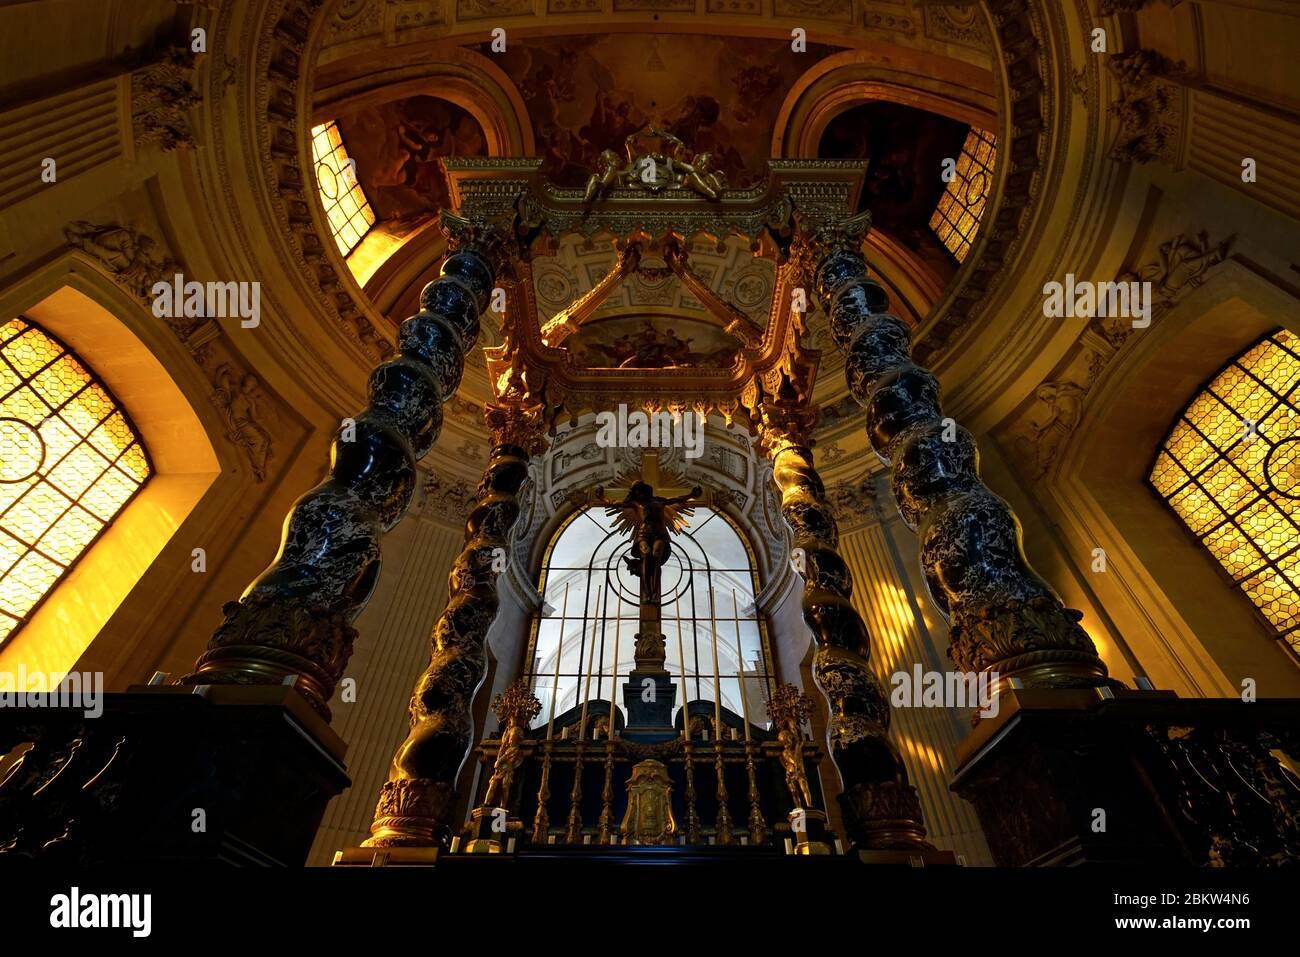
column 881, row 808
column 417, row 802
column 1004, row 618
column 296, row 617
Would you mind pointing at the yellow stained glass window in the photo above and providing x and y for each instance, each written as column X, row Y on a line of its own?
column 1230, row 469
column 346, row 207
column 956, row 219
column 69, row 461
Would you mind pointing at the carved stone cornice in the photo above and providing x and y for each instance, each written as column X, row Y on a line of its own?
column 1108, row 8
column 1025, row 55
column 279, row 70
column 130, row 257
column 485, row 188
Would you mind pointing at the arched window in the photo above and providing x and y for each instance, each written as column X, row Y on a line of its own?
column 346, row 207
column 956, row 220
column 69, row 462
column 1230, row 469
column 582, row 647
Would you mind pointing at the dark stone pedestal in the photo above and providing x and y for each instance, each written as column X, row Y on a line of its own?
column 207, row 774
column 652, row 720
column 1063, row 777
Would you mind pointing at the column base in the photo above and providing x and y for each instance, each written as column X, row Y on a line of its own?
column 489, row 831
column 386, row 857
column 811, row 834
column 412, row 812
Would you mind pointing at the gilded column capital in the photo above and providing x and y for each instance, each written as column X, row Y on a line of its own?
column 819, row 233
column 782, row 425
column 497, row 239
column 521, row 426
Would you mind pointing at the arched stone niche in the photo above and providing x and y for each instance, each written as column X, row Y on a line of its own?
column 95, row 616
column 1187, row 626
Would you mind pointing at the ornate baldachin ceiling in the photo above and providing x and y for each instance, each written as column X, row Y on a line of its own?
column 533, row 368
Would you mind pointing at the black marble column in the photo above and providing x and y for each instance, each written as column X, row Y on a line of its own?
column 1004, row 617
column 882, row 810
column 417, row 803
column 296, row 617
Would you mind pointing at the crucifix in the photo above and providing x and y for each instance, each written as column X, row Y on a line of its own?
column 650, row 520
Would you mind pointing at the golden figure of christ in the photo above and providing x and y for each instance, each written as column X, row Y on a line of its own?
column 650, row 520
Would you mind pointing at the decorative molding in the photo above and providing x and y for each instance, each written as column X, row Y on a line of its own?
column 734, row 6
column 487, row 9
column 962, row 24
column 854, row 503
column 279, row 71
column 1181, row 265
column 448, row 498
column 80, row 126
column 1150, row 106
column 128, row 255
column 666, row 6
column 818, row 9
column 131, row 258
column 889, row 19
column 1021, row 149
column 239, row 398
column 162, row 94
column 1110, row 8
column 1057, row 409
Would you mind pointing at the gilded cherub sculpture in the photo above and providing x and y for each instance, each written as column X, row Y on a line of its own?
column 672, row 167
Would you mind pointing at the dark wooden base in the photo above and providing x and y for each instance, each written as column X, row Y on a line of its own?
column 1068, row 777
column 167, row 774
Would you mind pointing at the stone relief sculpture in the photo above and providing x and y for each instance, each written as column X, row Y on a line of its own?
column 129, row 254
column 1056, row 411
column 240, row 400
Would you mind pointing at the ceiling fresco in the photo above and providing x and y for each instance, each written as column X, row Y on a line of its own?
column 397, row 146
column 906, row 147
column 649, row 341
column 587, row 94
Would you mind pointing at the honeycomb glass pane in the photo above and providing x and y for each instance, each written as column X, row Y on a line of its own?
column 1233, row 548
column 1167, row 476
column 1239, row 440
column 60, row 429
column 1189, row 448
column 27, row 582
